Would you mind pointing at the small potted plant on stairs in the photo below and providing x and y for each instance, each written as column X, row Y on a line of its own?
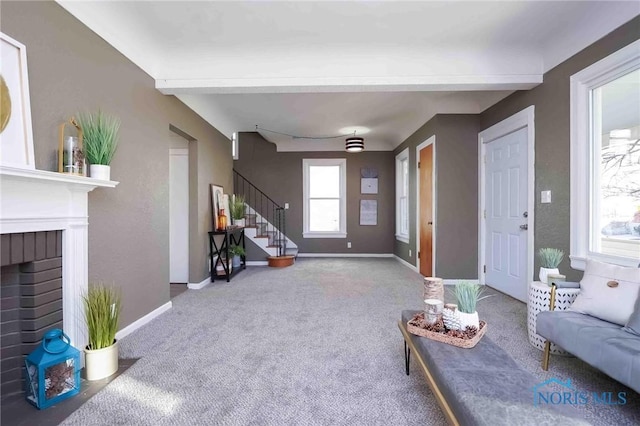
column 237, row 252
column 550, row 258
column 237, row 210
column 102, row 312
column 100, row 139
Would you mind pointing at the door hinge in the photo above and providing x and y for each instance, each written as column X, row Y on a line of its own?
column 485, row 159
column 418, row 255
column 484, row 268
column 485, row 214
column 418, row 164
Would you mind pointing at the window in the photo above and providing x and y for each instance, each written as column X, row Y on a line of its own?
column 605, row 160
column 402, row 196
column 325, row 190
column 234, row 146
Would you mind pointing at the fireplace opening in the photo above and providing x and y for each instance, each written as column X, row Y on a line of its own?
column 31, row 300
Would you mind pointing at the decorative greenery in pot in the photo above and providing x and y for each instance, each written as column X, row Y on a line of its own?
column 550, row 258
column 237, row 209
column 100, row 139
column 102, row 306
column 467, row 295
column 236, row 252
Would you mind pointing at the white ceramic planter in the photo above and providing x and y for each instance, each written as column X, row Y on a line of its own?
column 101, row 363
column 468, row 320
column 544, row 274
column 239, row 222
column 99, row 171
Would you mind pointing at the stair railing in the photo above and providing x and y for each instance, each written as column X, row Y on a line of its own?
column 271, row 212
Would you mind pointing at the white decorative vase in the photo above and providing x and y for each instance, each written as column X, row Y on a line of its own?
column 450, row 317
column 101, row 363
column 544, row 274
column 468, row 320
column 239, row 222
column 99, row 171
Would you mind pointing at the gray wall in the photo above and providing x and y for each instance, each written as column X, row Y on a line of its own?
column 552, row 139
column 456, row 173
column 72, row 69
column 279, row 175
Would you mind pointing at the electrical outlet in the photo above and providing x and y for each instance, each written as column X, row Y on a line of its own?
column 349, row 244
column 286, row 206
column 409, row 253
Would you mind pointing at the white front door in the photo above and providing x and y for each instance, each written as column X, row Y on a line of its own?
column 179, row 215
column 506, row 214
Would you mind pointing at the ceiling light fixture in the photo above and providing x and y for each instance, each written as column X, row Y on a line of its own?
column 354, row 144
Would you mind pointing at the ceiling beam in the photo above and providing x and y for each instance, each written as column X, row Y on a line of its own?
column 429, row 83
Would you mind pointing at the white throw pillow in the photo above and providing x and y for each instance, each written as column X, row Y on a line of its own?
column 598, row 299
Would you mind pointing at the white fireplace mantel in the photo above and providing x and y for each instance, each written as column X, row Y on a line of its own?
column 38, row 200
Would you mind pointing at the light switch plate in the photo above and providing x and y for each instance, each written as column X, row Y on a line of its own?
column 545, row 197
column 286, row 206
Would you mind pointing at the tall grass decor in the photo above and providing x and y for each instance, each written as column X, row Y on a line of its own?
column 550, row 258
column 100, row 136
column 467, row 295
column 237, row 207
column 102, row 305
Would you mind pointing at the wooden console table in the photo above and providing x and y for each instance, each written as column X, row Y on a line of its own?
column 219, row 252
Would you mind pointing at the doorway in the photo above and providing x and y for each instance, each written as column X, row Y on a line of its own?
column 425, row 159
column 178, row 211
column 507, row 205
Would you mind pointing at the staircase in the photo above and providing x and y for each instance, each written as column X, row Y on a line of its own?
column 265, row 223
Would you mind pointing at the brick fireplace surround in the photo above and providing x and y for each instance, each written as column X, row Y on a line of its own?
column 40, row 207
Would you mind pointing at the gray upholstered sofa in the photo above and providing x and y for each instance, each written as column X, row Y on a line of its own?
column 602, row 327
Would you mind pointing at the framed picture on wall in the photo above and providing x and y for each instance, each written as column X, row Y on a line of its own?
column 16, row 134
column 368, row 180
column 217, row 197
column 368, row 212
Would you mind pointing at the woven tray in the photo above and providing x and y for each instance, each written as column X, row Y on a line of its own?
column 441, row 337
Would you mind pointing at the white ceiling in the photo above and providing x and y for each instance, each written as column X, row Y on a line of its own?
column 316, row 68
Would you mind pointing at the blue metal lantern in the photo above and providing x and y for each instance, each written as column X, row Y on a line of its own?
column 53, row 370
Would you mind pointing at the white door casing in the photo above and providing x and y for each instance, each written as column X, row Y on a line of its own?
column 506, row 193
column 179, row 215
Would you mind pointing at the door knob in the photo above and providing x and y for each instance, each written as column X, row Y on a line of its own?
column 525, row 226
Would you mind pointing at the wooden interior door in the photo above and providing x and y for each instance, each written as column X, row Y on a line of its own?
column 426, row 210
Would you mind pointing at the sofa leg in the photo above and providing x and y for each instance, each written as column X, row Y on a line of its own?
column 545, row 356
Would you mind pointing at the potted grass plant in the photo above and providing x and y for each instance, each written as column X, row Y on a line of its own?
column 237, row 210
column 237, row 252
column 467, row 296
column 102, row 305
column 100, row 140
column 550, row 258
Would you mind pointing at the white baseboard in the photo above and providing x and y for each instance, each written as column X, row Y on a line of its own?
column 143, row 321
column 345, row 254
column 198, row 286
column 405, row 263
column 456, row 281
column 257, row 263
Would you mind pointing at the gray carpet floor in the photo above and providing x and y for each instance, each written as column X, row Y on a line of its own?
column 313, row 344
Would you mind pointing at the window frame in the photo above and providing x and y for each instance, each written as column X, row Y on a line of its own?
column 403, row 156
column 306, row 164
column 608, row 69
